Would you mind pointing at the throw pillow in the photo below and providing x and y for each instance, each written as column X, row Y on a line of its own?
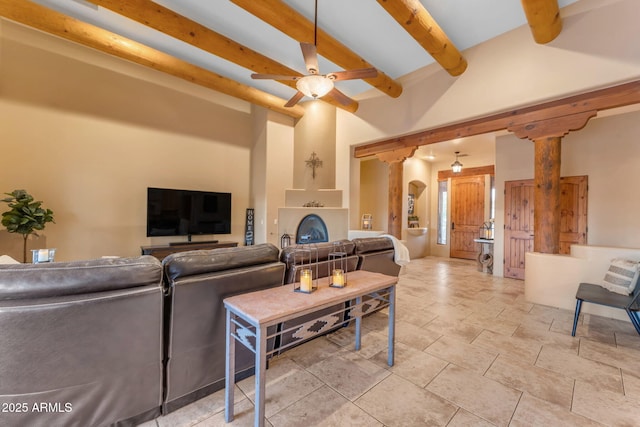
column 622, row 276
column 6, row 259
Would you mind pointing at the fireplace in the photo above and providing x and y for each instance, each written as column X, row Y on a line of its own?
column 325, row 221
column 312, row 229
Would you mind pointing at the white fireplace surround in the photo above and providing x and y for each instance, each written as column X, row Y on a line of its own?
column 335, row 217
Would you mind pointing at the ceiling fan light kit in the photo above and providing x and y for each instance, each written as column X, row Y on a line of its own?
column 315, row 86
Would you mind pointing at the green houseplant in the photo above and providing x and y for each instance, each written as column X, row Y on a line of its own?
column 25, row 216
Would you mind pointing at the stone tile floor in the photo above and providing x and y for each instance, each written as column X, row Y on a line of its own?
column 470, row 351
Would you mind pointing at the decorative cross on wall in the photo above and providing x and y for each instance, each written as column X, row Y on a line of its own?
column 314, row 162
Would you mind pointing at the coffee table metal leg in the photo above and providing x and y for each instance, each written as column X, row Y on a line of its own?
column 261, row 367
column 230, row 361
column 358, row 324
column 392, row 325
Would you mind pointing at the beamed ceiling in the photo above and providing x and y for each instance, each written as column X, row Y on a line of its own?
column 218, row 44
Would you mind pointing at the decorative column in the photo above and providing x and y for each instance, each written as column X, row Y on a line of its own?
column 546, row 196
column 547, row 137
column 395, row 159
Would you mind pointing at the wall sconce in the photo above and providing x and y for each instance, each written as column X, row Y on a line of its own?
column 367, row 222
column 456, row 166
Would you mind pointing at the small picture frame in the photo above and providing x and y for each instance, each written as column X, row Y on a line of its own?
column 42, row 255
column 411, row 203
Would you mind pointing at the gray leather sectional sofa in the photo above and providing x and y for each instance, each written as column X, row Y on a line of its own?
column 81, row 342
column 121, row 341
column 197, row 283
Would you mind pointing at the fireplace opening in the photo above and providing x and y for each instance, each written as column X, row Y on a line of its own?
column 312, row 229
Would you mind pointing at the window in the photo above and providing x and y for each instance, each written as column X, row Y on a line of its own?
column 492, row 213
column 442, row 212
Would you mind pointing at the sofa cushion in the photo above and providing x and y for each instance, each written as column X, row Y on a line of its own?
column 189, row 263
column 56, row 279
column 321, row 250
column 365, row 245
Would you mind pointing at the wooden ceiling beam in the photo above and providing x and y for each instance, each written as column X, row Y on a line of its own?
column 165, row 20
column 527, row 118
column 52, row 22
column 544, row 19
column 419, row 23
column 286, row 19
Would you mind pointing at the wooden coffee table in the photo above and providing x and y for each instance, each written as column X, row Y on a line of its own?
column 249, row 315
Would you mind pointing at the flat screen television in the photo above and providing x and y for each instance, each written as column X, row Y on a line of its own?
column 186, row 212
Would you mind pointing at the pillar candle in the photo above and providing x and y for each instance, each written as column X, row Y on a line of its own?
column 305, row 280
column 338, row 277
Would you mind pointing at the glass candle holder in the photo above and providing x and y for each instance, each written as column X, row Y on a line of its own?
column 338, row 266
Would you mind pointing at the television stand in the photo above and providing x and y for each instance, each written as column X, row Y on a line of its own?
column 161, row 251
column 192, row 243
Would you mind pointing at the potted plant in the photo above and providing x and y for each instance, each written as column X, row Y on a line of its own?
column 25, row 216
column 414, row 221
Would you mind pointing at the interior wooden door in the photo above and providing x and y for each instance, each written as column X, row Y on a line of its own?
column 573, row 212
column 467, row 215
column 518, row 226
column 518, row 221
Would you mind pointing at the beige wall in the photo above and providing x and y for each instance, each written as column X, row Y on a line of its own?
column 596, row 49
column 87, row 133
column 315, row 132
column 374, row 188
column 88, row 138
column 93, row 174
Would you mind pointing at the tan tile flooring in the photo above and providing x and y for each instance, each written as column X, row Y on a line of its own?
column 470, row 351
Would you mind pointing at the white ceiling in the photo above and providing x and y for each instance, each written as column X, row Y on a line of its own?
column 362, row 25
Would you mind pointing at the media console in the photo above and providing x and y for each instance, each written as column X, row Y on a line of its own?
column 161, row 251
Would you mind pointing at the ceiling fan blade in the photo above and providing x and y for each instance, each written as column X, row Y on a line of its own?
column 274, row 77
column 310, row 54
column 360, row 73
column 294, row 99
column 340, row 97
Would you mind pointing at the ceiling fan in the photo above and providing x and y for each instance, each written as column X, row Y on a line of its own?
column 314, row 84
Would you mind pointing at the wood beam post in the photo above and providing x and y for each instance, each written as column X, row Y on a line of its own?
column 395, row 199
column 546, row 213
column 396, row 159
column 163, row 19
column 419, row 23
column 544, row 19
column 547, row 136
column 55, row 23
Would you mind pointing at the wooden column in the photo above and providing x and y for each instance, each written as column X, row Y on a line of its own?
column 546, row 196
column 547, row 136
column 395, row 199
column 395, row 160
